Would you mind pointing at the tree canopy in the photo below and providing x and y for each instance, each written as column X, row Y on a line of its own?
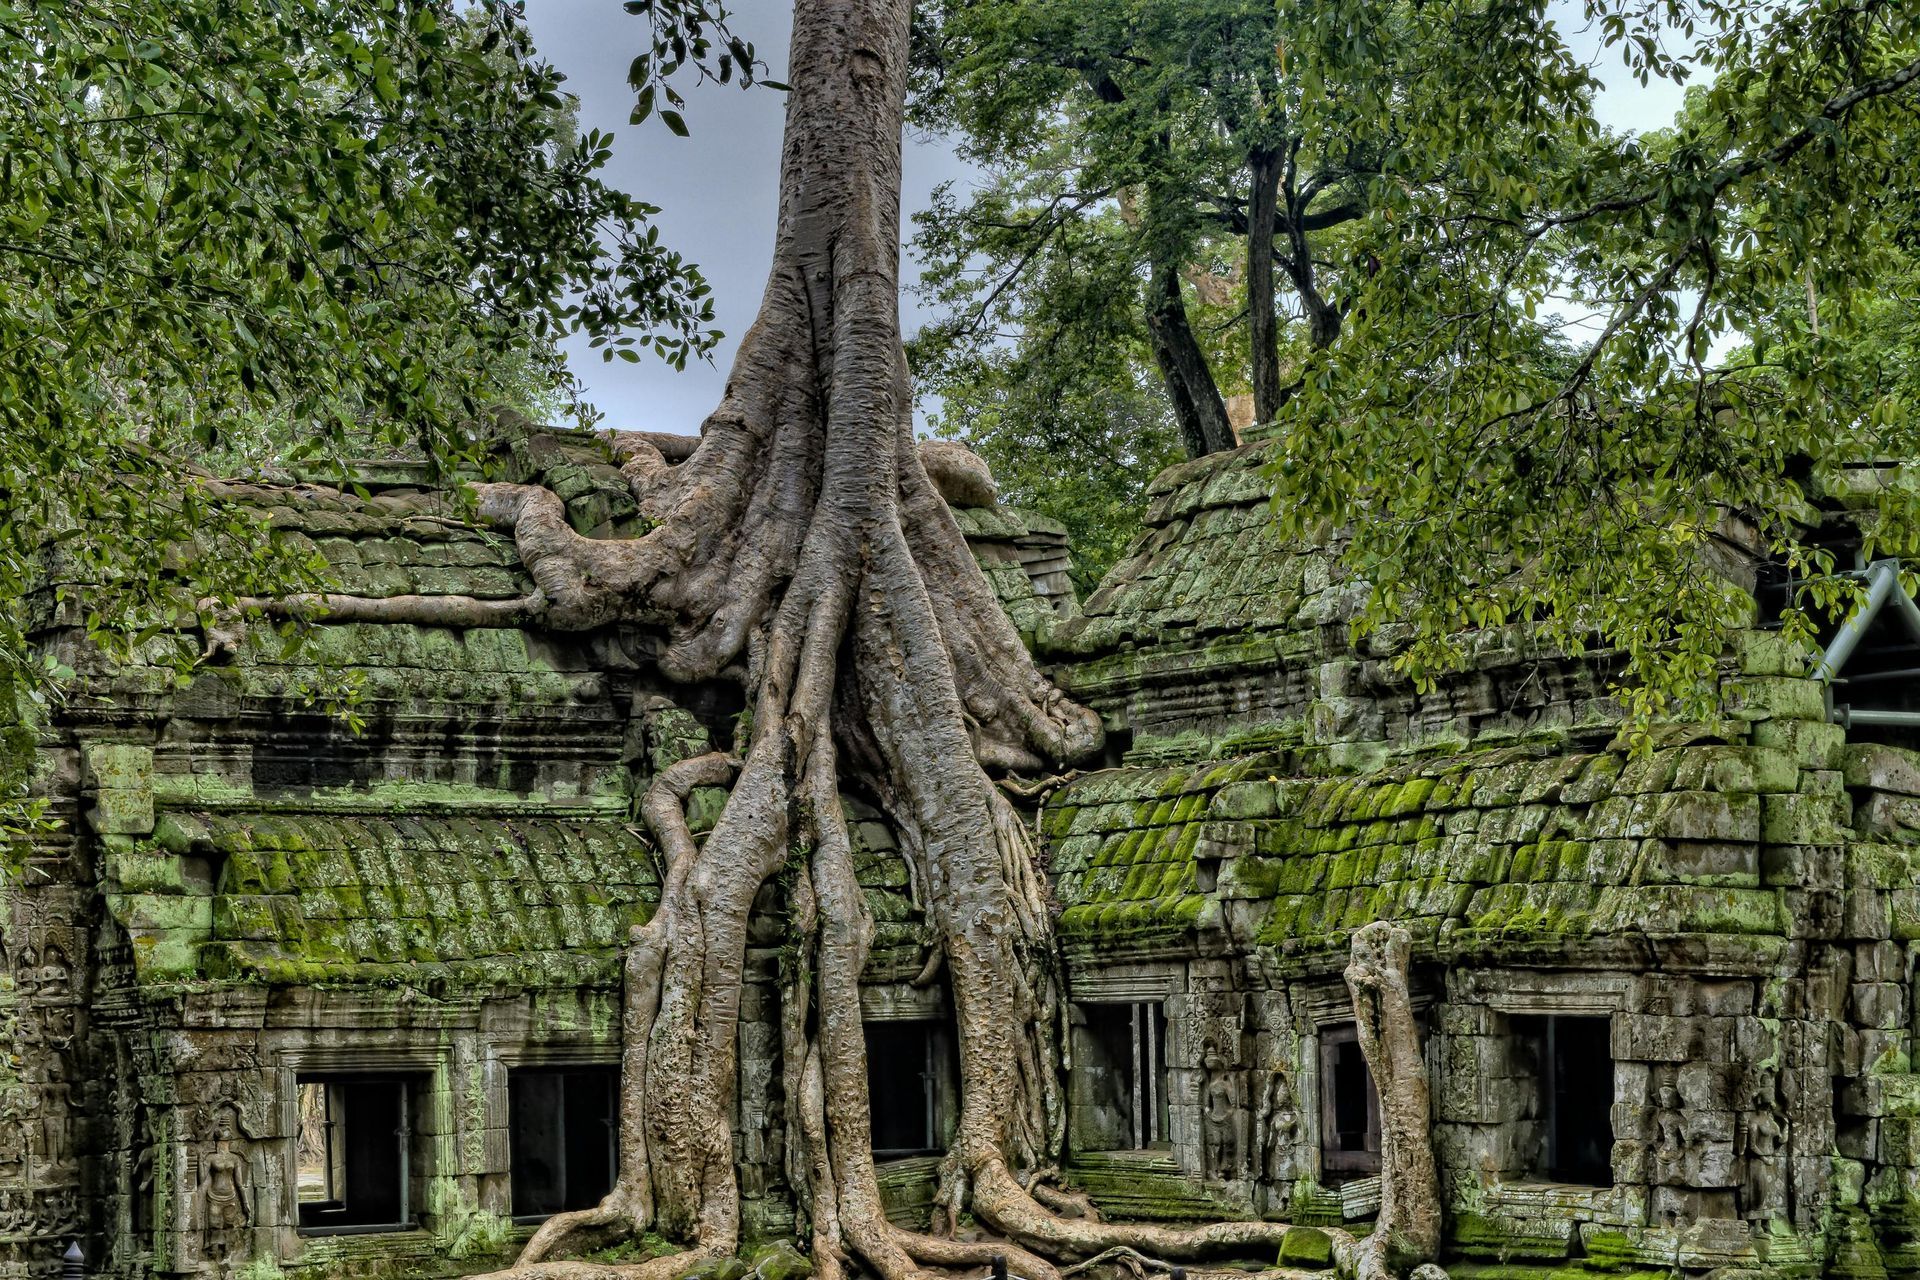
column 238, row 227
column 1455, row 204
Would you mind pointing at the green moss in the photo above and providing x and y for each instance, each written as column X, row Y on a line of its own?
column 1306, row 1247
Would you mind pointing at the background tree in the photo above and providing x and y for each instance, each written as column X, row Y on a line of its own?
column 1066, row 409
column 1245, row 122
column 1133, row 147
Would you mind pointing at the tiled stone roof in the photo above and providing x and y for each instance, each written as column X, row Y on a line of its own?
column 305, row 898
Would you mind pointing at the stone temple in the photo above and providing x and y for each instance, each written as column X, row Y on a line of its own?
column 279, row 998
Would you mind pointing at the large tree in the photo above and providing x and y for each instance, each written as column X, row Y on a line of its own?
column 1239, row 141
column 803, row 547
column 803, row 550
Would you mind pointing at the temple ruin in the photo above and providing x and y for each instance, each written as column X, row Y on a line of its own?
column 283, row 998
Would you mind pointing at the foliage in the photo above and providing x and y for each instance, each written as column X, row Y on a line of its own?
column 323, row 227
column 1064, row 411
column 1594, row 502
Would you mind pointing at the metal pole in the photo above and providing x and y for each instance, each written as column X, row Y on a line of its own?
column 1883, row 580
column 1847, row 717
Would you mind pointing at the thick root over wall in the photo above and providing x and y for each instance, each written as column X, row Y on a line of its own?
column 802, row 548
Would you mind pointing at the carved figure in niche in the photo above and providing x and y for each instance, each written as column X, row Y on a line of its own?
column 1765, row 1190
column 1670, row 1143
column 54, row 974
column 222, row 1203
column 1282, row 1121
column 52, row 1162
column 1220, row 1120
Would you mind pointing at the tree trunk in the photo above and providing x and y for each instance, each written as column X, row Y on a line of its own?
column 1323, row 317
column 802, row 543
column 1264, row 167
column 1408, row 1230
column 1198, row 409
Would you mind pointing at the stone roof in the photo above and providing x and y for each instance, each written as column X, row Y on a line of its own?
column 1505, row 847
column 307, row 898
column 1283, row 785
column 1212, row 563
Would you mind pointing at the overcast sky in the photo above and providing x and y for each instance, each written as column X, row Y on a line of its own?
column 716, row 189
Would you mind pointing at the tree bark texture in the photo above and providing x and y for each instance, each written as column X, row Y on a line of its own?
column 1198, row 410
column 1264, row 166
column 803, row 544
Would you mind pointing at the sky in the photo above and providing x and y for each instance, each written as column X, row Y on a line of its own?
column 716, row 188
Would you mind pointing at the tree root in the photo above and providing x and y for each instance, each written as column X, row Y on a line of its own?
column 1139, row 1264
column 802, row 538
column 667, row 1267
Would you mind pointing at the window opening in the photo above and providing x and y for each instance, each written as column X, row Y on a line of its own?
column 1349, row 1107
column 353, row 1154
column 1119, row 1078
column 909, row 1073
column 563, row 1131
column 1574, row 1074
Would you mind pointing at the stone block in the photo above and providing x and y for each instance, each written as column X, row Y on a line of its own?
column 1821, row 782
column 1770, row 653
column 1629, row 1157
column 1306, row 1247
column 1649, row 1038
column 1244, row 800
column 1712, row 1243
column 1859, row 1139
column 1883, row 815
column 118, row 811
column 1903, row 914
column 116, row 766
column 1900, row 1141
column 1704, row 862
column 1631, row 1121
column 1804, row 819
column 1881, row 1005
column 1880, row 961
column 1755, row 1040
column 1703, row 1090
column 1811, row 744
column 1877, row 767
column 1706, row 815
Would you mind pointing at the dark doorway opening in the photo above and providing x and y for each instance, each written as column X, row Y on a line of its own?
column 1349, row 1107
column 1119, row 1076
column 1574, row 1057
column 563, row 1130
column 354, row 1152
column 910, row 1085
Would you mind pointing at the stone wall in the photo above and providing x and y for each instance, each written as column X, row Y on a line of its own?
column 1732, row 908
column 245, row 892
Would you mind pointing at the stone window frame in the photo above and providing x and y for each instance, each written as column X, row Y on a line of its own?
column 1318, row 1005
column 1144, row 982
column 1540, row 993
column 428, row 1062
column 499, row 1059
column 905, row 1002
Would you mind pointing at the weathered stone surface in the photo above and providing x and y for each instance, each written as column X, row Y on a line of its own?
column 244, row 893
